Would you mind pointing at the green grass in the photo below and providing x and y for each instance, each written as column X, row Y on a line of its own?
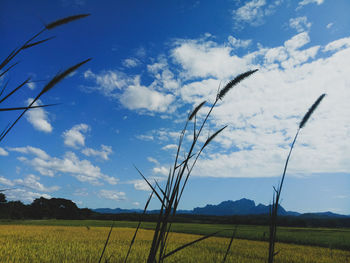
column 324, row 237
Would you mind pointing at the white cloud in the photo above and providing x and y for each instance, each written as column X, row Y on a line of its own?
column 338, row 44
column 74, row 137
column 253, row 12
column 108, row 82
column 161, row 170
column 329, row 25
column 31, row 85
column 31, row 150
column 112, row 195
column 136, row 203
column 137, row 97
column 131, row 62
column 131, row 94
column 297, row 41
column 83, row 170
column 5, row 181
column 103, row 153
column 32, row 181
column 140, row 185
column 24, row 195
column 300, row 24
column 239, row 43
column 307, row 2
column 3, row 152
column 263, row 111
column 170, row 147
column 38, row 117
column 152, row 160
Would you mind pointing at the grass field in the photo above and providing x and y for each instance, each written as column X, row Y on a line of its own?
column 30, row 243
column 338, row 238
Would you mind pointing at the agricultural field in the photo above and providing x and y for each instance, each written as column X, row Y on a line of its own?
column 34, row 243
column 323, row 237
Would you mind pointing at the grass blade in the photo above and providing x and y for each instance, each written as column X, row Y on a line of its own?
column 105, row 246
column 16, row 89
column 138, row 226
column 190, row 243
column 229, row 246
column 32, row 107
column 36, row 43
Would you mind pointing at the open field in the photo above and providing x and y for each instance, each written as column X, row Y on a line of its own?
column 338, row 238
column 29, row 243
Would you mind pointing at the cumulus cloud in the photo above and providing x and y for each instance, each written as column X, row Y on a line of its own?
column 300, row 24
column 103, row 153
column 140, row 185
column 131, row 62
column 239, row 43
column 131, row 94
column 31, row 181
column 161, row 170
column 170, row 147
column 264, row 110
column 24, row 195
column 38, row 117
column 3, row 152
column 307, row 2
column 137, row 96
column 82, row 170
column 112, row 195
column 75, row 137
column 253, row 12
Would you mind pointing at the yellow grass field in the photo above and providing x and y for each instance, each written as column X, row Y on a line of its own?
column 21, row 243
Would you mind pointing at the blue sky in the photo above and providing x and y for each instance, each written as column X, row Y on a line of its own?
column 153, row 61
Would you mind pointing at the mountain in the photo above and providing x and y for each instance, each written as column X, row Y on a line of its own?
column 240, row 207
column 243, row 206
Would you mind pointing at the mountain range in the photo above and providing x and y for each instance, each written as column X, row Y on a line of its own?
column 226, row 208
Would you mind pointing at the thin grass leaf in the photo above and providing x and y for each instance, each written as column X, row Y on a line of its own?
column 189, row 244
column 153, row 189
column 3, row 88
column 194, row 112
column 32, row 107
column 65, row 20
column 229, row 246
column 234, row 82
column 61, row 76
column 6, row 70
column 36, row 43
column 310, row 111
column 213, row 136
column 13, row 91
column 163, row 192
column 138, row 226
column 104, row 248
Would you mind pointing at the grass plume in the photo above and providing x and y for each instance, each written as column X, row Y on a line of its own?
column 234, row 82
column 65, row 20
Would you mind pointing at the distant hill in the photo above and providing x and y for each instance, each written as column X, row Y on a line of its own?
column 243, row 206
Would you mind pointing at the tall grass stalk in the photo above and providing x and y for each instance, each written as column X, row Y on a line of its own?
column 179, row 173
column 277, row 192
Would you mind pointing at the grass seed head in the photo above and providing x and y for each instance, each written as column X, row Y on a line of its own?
column 311, row 110
column 65, row 20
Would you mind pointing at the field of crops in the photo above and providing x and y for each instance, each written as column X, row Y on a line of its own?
column 324, row 237
column 29, row 243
